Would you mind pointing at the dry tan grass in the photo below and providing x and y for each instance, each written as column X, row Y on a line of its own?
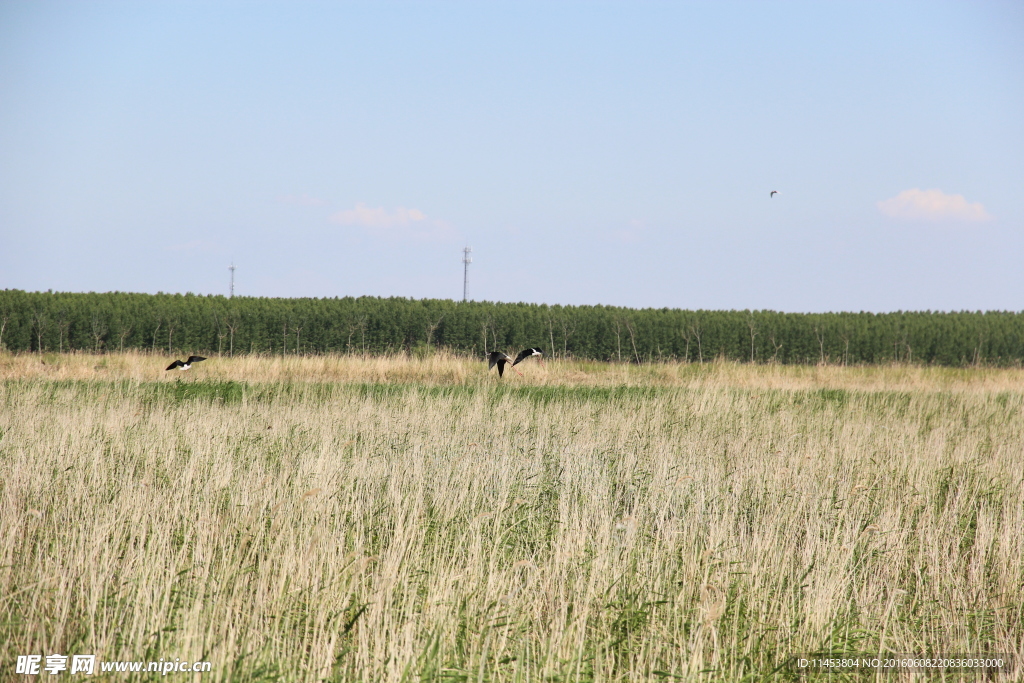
column 443, row 368
column 583, row 523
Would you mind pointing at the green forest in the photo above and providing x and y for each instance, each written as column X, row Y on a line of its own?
column 188, row 323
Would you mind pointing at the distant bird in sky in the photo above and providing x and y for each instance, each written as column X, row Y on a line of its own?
column 186, row 364
column 501, row 359
column 529, row 353
column 772, row 195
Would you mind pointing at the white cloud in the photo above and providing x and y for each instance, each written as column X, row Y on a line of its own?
column 933, row 205
column 366, row 217
column 400, row 223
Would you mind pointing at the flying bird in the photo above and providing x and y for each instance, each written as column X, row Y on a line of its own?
column 186, row 364
column 529, row 353
column 501, row 359
column 773, row 193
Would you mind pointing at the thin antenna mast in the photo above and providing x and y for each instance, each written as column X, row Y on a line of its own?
column 232, row 269
column 466, row 260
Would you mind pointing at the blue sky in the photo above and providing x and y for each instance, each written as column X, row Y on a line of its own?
column 590, row 153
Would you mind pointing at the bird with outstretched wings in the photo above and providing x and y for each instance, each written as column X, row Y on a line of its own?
column 185, row 365
column 529, row 353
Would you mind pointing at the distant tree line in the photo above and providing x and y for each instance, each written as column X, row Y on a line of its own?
column 176, row 323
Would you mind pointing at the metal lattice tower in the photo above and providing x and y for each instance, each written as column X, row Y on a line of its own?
column 232, row 292
column 466, row 260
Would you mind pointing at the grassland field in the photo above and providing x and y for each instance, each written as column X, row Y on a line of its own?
column 340, row 518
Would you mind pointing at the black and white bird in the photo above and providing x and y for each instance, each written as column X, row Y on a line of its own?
column 529, row 353
column 773, row 193
column 501, row 359
column 185, row 365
